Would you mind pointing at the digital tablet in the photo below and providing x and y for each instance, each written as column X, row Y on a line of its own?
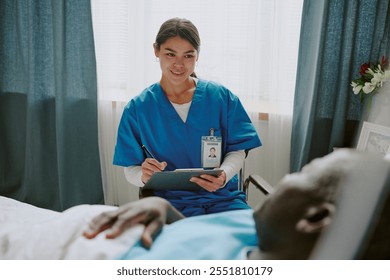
column 178, row 179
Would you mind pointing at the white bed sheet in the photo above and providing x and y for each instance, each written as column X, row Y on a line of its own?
column 29, row 232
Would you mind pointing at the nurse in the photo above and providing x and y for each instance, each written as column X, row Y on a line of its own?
column 175, row 122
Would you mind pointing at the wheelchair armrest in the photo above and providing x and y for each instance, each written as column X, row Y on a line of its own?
column 259, row 182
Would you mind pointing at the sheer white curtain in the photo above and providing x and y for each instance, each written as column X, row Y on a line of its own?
column 250, row 46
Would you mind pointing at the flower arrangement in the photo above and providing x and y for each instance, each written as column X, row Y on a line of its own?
column 372, row 77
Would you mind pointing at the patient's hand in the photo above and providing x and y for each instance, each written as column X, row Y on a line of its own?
column 210, row 182
column 153, row 212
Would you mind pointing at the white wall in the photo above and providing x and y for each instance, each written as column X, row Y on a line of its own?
column 379, row 110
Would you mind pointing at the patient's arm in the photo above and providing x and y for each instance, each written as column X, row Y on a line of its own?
column 153, row 212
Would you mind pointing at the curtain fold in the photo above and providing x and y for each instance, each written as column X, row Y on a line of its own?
column 49, row 154
column 337, row 36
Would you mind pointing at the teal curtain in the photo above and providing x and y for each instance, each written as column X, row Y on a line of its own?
column 337, row 36
column 49, row 154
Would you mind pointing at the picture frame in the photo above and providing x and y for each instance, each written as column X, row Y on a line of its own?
column 374, row 138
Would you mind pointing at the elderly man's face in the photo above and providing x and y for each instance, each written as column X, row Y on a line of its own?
column 277, row 221
column 292, row 218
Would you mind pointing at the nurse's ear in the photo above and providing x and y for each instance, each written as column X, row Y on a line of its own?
column 156, row 50
column 316, row 218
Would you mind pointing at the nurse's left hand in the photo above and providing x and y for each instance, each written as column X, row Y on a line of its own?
column 210, row 182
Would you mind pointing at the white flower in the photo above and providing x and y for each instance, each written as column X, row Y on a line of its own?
column 368, row 87
column 370, row 71
column 356, row 88
column 377, row 79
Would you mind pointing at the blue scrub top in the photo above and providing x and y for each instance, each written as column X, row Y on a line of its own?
column 222, row 236
column 151, row 120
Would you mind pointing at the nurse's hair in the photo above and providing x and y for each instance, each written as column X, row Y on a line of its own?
column 181, row 27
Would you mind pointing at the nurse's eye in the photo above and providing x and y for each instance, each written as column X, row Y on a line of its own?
column 170, row 54
column 189, row 56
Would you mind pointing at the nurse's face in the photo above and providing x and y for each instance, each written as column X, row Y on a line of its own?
column 177, row 59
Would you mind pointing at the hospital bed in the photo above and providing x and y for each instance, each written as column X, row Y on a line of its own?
column 29, row 232
column 360, row 230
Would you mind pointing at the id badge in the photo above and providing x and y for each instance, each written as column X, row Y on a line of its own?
column 211, row 150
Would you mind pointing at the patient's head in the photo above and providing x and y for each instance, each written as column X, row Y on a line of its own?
column 290, row 221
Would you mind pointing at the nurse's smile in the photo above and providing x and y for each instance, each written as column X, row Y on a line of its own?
column 177, row 73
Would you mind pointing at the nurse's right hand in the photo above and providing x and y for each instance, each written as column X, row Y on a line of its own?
column 149, row 167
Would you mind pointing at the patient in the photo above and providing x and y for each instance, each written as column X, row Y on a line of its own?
column 286, row 226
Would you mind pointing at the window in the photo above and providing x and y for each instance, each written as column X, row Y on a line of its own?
column 250, row 46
